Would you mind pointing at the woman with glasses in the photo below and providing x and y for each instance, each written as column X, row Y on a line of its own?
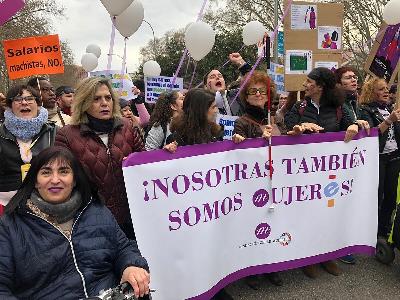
column 254, row 122
column 24, row 133
column 168, row 106
column 100, row 138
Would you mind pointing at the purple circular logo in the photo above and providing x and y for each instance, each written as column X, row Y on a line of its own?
column 263, row 231
column 260, row 198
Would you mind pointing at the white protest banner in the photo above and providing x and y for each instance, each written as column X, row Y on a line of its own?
column 228, row 122
column 122, row 83
column 277, row 74
column 156, row 85
column 209, row 214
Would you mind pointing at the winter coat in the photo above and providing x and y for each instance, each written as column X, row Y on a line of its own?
column 250, row 124
column 371, row 114
column 11, row 162
column 38, row 261
column 103, row 163
column 332, row 119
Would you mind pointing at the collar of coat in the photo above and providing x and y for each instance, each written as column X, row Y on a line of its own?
column 85, row 129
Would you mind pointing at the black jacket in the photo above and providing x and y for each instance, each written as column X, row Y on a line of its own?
column 11, row 162
column 371, row 114
column 332, row 119
column 37, row 261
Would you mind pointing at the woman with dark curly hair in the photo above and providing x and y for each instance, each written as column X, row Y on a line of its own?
column 323, row 109
column 196, row 124
column 168, row 106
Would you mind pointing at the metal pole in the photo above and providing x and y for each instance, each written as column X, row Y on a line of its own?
column 275, row 25
column 154, row 39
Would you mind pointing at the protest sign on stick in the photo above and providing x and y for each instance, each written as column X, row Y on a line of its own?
column 33, row 56
column 154, row 86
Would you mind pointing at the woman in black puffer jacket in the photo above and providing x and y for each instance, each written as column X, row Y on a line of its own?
column 323, row 109
column 58, row 241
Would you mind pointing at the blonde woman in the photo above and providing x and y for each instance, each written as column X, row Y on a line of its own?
column 100, row 138
column 376, row 110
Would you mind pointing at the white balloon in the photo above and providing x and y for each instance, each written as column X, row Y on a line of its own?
column 116, row 7
column 89, row 62
column 391, row 12
column 151, row 68
column 130, row 20
column 253, row 32
column 95, row 49
column 199, row 40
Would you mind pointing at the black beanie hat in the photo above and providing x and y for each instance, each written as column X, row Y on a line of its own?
column 123, row 103
column 323, row 77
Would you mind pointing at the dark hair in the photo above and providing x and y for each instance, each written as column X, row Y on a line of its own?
column 205, row 78
column 139, row 83
column 48, row 156
column 163, row 112
column 17, row 90
column 331, row 95
column 192, row 126
column 339, row 73
column 64, row 89
column 33, row 82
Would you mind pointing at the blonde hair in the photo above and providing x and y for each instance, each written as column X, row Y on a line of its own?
column 368, row 93
column 84, row 96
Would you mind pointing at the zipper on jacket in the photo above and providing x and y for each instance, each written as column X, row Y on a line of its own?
column 70, row 244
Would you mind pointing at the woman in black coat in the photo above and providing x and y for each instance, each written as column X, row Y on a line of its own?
column 376, row 109
column 59, row 242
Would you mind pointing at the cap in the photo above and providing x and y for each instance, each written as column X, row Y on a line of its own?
column 64, row 90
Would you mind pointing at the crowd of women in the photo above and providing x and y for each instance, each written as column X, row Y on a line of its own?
column 66, row 230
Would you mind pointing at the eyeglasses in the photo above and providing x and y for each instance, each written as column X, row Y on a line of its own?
column 351, row 77
column 28, row 99
column 47, row 89
column 253, row 91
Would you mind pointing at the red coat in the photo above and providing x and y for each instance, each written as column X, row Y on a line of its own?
column 103, row 164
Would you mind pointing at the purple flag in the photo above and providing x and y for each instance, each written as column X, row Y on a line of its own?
column 8, row 8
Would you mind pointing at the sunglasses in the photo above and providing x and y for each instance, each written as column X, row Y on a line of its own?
column 253, row 91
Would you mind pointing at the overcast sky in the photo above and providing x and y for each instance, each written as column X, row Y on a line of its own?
column 87, row 22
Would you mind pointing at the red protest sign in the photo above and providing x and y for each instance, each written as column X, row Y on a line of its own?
column 33, row 56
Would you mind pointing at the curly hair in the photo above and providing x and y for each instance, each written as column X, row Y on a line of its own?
column 163, row 112
column 192, row 125
column 17, row 90
column 257, row 77
column 339, row 73
column 368, row 93
column 84, row 96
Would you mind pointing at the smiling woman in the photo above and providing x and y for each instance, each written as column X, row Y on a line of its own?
column 25, row 132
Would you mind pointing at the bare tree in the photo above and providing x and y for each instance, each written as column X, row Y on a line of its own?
column 33, row 20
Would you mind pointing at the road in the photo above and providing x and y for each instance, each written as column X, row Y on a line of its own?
column 368, row 279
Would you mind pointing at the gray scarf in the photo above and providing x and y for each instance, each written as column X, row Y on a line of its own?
column 62, row 212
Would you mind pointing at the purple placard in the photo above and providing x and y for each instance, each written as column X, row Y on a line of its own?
column 8, row 8
column 141, row 158
column 277, row 267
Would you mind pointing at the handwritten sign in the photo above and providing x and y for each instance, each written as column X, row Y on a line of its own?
column 33, row 56
column 160, row 84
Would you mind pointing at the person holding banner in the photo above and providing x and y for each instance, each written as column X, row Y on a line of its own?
column 376, row 108
column 100, row 138
column 24, row 133
column 59, row 241
column 46, row 91
column 168, row 106
column 196, row 123
column 254, row 122
column 214, row 81
column 323, row 110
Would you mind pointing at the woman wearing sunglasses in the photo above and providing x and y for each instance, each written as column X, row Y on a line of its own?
column 24, row 133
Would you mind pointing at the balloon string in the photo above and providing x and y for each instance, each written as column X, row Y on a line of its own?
column 260, row 57
column 199, row 17
column 112, row 41
column 194, row 72
column 187, row 67
column 121, row 86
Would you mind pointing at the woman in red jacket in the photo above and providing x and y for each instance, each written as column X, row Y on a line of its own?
column 100, row 139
